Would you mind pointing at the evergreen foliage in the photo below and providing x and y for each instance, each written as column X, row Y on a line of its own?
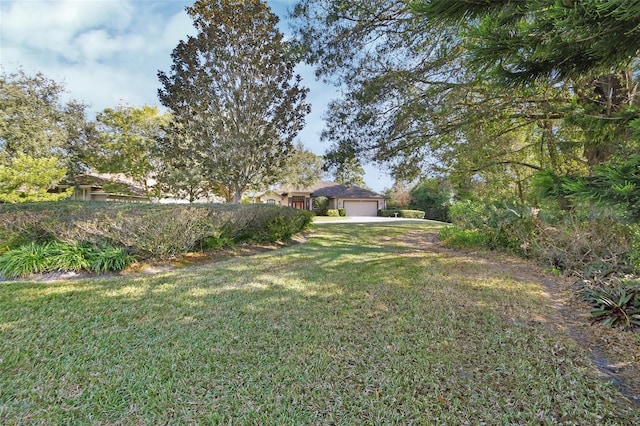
column 236, row 103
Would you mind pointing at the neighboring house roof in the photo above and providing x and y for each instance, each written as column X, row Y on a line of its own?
column 114, row 183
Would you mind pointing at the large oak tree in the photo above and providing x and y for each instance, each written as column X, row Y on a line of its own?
column 236, row 103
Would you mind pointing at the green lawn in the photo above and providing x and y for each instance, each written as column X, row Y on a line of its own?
column 362, row 324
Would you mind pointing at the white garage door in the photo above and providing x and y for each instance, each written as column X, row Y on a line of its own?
column 361, row 208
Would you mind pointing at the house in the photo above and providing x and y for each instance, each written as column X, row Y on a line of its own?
column 355, row 200
column 103, row 187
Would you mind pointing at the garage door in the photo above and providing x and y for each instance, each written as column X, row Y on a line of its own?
column 361, row 208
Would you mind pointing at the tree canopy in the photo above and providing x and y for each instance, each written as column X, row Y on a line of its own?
column 236, row 103
column 28, row 179
column 128, row 140
column 36, row 122
column 488, row 92
column 531, row 40
column 302, row 169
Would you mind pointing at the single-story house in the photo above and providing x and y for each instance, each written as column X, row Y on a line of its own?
column 103, row 187
column 355, row 200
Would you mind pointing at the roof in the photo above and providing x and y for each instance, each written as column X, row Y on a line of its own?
column 117, row 181
column 316, row 186
column 345, row 191
column 327, row 189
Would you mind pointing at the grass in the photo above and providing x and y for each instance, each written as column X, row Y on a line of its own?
column 322, row 219
column 362, row 324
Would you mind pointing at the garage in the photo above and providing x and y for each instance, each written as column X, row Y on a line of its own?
column 361, row 207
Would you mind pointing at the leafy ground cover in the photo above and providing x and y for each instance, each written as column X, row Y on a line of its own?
column 362, row 324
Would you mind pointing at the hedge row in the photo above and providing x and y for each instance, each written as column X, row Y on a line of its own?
column 410, row 214
column 147, row 230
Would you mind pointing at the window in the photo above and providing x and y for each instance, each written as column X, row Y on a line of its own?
column 271, row 201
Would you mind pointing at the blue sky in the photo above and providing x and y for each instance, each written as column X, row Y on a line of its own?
column 107, row 52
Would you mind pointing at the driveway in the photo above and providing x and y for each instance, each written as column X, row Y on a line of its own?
column 362, row 219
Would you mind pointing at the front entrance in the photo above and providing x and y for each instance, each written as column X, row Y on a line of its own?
column 298, row 202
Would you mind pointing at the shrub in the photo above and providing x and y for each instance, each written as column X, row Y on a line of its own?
column 148, row 230
column 109, row 259
column 333, row 213
column 66, row 257
column 463, row 238
column 272, row 223
column 25, row 260
column 321, row 204
column 440, row 214
column 410, row 214
column 614, row 304
column 342, row 212
column 36, row 258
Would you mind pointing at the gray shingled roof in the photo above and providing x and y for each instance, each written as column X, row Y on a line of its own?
column 332, row 190
column 345, row 191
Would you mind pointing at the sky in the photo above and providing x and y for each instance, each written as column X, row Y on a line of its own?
column 108, row 53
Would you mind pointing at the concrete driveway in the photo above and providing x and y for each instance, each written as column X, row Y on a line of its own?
column 363, row 219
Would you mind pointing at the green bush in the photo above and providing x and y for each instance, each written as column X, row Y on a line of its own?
column 109, row 259
column 333, row 213
column 342, row 212
column 321, row 204
column 614, row 303
column 148, row 230
column 268, row 223
column 28, row 259
column 440, row 214
column 409, row 214
column 66, row 257
column 36, row 258
column 463, row 238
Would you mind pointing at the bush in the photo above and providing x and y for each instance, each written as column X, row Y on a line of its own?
column 342, row 212
column 321, row 204
column 463, row 238
column 409, row 214
column 614, row 303
column 333, row 213
column 148, row 230
column 28, row 259
column 440, row 214
column 54, row 256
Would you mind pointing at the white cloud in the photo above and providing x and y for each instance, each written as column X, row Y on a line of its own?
column 51, row 26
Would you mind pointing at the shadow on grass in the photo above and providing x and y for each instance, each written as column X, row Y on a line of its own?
column 361, row 324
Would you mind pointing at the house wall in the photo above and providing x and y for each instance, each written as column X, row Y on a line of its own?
column 277, row 199
column 308, row 205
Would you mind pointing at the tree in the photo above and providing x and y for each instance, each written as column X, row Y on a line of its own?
column 35, row 121
column 183, row 183
column 430, row 193
column 128, row 143
column 394, row 88
column 302, row 169
column 417, row 99
column 28, row 179
column 348, row 172
column 399, row 195
column 235, row 101
column 529, row 40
